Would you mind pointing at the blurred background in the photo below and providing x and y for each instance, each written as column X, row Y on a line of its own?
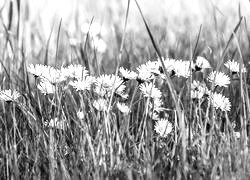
column 54, row 31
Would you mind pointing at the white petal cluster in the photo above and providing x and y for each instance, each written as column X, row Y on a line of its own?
column 163, row 127
column 145, row 72
column 177, row 68
column 123, row 107
column 234, row 66
column 47, row 72
column 149, row 90
column 219, row 78
column 74, row 71
column 127, row 74
column 9, row 95
column 220, row 102
column 100, row 104
column 46, row 87
column 105, row 83
column 83, row 84
column 201, row 63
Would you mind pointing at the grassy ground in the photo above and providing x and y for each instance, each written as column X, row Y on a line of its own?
column 205, row 142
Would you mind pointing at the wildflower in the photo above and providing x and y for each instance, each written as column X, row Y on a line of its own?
column 219, row 78
column 75, row 71
column 100, row 104
column 201, row 63
column 149, row 90
column 182, row 68
column 123, row 108
column 82, row 84
column 37, row 70
column 104, row 85
column 144, row 73
column 127, row 74
column 198, row 89
column 46, row 87
column 56, row 123
column 9, row 95
column 80, row 115
column 163, row 127
column 169, row 65
column 153, row 67
column 234, row 66
column 220, row 102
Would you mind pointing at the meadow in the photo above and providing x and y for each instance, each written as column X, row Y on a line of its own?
column 124, row 89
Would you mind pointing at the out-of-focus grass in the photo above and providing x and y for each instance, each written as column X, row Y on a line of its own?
column 175, row 26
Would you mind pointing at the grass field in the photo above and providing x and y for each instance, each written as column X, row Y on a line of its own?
column 124, row 90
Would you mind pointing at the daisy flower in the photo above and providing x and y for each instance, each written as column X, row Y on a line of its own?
column 82, row 84
column 153, row 67
column 104, row 85
column 75, row 71
column 127, row 74
column 234, row 66
column 100, row 104
column 9, row 95
column 123, row 108
column 219, row 78
column 144, row 74
column 149, row 90
column 163, row 127
column 46, row 87
column 56, row 123
column 201, row 63
column 169, row 64
column 38, row 69
column 182, row 68
column 220, row 102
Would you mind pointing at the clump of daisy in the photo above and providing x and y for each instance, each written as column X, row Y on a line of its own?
column 234, row 66
column 220, row 102
column 149, row 90
column 123, row 107
column 127, row 74
column 82, row 84
column 9, row 95
column 182, row 68
column 163, row 127
column 46, row 72
column 169, row 65
column 37, row 70
column 198, row 90
column 144, row 73
column 56, row 123
column 201, row 63
column 75, row 71
column 219, row 78
column 105, row 83
column 100, row 104
column 46, row 87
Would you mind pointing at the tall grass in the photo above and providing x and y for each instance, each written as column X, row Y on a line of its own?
column 110, row 144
